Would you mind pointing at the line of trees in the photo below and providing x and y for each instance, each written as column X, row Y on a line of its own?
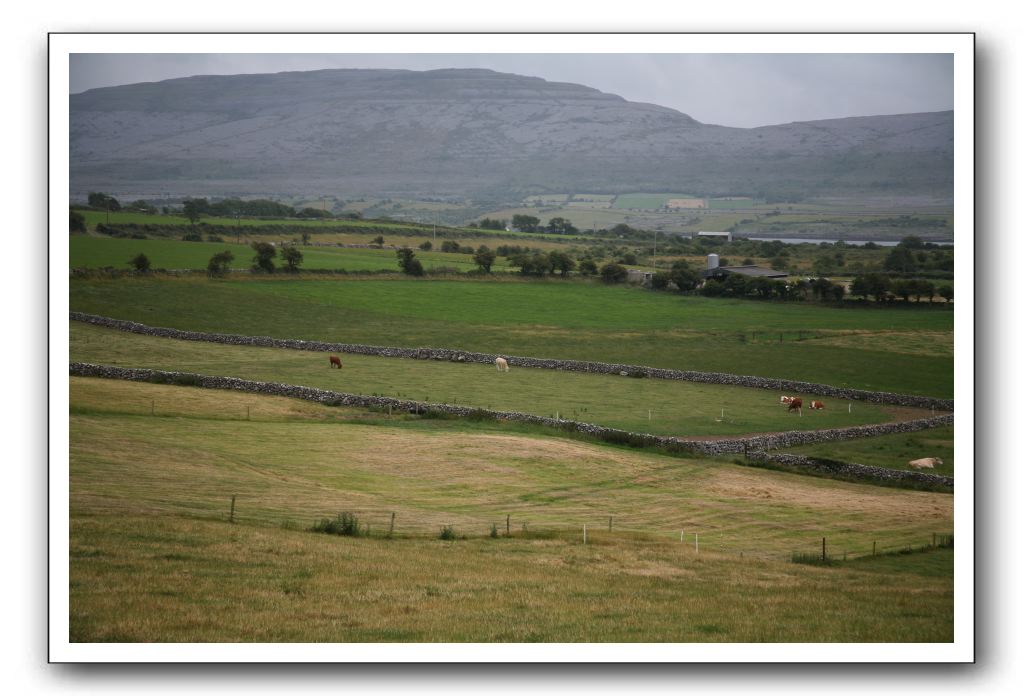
column 883, row 288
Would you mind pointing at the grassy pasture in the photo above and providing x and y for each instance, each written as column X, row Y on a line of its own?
column 98, row 252
column 646, row 200
column 891, row 451
column 153, row 558
column 578, row 320
column 94, row 217
column 663, row 407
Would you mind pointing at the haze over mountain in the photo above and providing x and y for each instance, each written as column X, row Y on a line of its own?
column 473, row 134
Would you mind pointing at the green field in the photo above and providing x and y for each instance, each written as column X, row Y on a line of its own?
column 647, row 200
column 663, row 407
column 891, row 451
column 733, row 203
column 570, row 320
column 99, row 252
column 94, row 217
column 153, row 557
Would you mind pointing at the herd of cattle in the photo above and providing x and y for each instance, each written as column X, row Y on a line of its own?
column 794, row 403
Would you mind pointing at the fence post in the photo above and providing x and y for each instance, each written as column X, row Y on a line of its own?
column 584, row 533
column 824, row 549
column 697, row 542
column 507, row 526
column 391, row 530
column 874, row 551
column 152, row 407
column 231, row 519
column 610, row 522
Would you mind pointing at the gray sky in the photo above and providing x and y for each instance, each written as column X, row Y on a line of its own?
column 744, row 90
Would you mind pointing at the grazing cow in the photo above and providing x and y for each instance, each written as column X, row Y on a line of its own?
column 796, row 405
column 334, row 360
column 502, row 364
column 816, row 405
column 925, row 463
column 786, row 400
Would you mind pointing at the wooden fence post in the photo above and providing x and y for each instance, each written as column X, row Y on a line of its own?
column 391, row 530
column 507, row 526
column 231, row 519
column 824, row 549
column 610, row 522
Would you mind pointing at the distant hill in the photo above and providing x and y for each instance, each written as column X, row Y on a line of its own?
column 474, row 134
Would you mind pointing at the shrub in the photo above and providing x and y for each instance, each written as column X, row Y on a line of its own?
column 140, row 263
column 493, row 530
column 613, row 273
column 447, row 533
column 345, row 524
column 219, row 262
column 191, row 237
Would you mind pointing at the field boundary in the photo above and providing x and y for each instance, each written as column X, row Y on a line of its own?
column 849, row 470
column 453, row 355
column 744, row 445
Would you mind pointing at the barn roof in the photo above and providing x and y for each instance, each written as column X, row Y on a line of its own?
column 744, row 270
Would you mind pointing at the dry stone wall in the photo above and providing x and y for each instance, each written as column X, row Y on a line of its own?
column 857, row 471
column 783, row 385
column 332, row 398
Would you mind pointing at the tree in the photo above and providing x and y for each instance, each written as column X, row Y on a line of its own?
column 900, row 259
column 588, row 267
column 903, row 288
column 560, row 261
column 683, row 275
column 219, row 263
column 378, row 240
column 292, row 257
column 659, row 280
column 426, row 246
column 450, row 246
column 77, row 222
column 537, row 263
column 878, row 285
column 140, row 263
column 613, row 273
column 525, row 223
column 265, row 253
column 408, row 263
column 484, row 258
column 195, row 208
column 560, row 225
column 103, row 201
column 305, row 239
column 946, row 292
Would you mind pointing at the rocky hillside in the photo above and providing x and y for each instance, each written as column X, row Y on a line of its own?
column 474, row 134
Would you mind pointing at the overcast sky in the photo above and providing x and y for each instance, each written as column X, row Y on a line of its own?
column 743, row 90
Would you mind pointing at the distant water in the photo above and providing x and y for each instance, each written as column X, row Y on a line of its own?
column 806, row 240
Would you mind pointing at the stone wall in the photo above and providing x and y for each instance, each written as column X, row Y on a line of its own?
column 782, row 385
column 859, row 472
column 708, row 447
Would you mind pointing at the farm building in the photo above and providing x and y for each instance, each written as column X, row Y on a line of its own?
column 722, row 271
column 715, row 271
column 727, row 236
column 639, row 277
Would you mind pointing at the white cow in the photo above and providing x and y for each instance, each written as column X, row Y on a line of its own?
column 925, row 463
column 502, row 364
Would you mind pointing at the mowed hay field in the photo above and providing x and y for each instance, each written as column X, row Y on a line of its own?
column 570, row 320
column 153, row 557
column 664, row 407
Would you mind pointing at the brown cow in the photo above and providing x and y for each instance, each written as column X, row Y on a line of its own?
column 816, row 405
column 796, row 405
column 334, row 360
column 786, row 400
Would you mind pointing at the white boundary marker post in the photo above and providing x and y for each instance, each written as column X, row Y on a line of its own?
column 697, row 542
column 682, row 537
column 584, row 533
